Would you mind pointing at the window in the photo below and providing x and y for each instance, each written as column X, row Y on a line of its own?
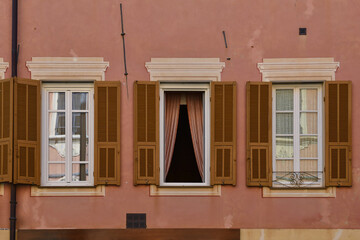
column 67, row 139
column 299, row 125
column 184, row 134
column 153, row 164
column 297, row 135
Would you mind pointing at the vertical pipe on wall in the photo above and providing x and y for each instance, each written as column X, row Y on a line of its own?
column 14, row 62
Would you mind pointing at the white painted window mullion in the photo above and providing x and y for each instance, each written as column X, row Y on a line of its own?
column 68, row 135
column 296, row 125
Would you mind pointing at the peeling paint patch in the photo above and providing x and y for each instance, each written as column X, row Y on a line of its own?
column 338, row 234
column 309, row 8
column 262, row 234
column 228, row 221
column 73, row 53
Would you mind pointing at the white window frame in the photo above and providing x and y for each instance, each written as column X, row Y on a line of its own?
column 296, row 132
column 186, row 86
column 78, row 87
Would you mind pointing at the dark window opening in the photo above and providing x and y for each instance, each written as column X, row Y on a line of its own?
column 183, row 167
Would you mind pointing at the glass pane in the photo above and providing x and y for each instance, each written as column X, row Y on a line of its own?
column 284, row 123
column 56, row 172
column 56, row 123
column 80, row 101
column 80, row 172
column 56, row 101
column 56, row 149
column 308, row 165
column 308, row 147
column 284, row 100
column 308, row 123
column 80, row 136
column 284, row 147
column 308, row 99
column 284, row 165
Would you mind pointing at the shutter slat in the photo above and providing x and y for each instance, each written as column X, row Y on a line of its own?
column 338, row 133
column 107, row 133
column 146, row 133
column 223, row 133
column 259, row 133
column 6, row 126
column 27, row 131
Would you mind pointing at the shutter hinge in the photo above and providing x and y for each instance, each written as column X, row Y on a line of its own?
column 324, row 99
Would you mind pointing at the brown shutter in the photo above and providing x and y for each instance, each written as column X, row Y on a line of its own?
column 6, row 126
column 338, row 133
column 107, row 133
column 223, row 133
column 146, row 133
column 27, row 131
column 258, row 134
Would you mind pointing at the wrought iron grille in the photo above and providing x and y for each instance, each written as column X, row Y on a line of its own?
column 297, row 179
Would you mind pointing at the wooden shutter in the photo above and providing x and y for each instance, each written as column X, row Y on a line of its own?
column 107, row 133
column 338, row 133
column 223, row 133
column 27, row 131
column 146, row 133
column 258, row 133
column 6, row 126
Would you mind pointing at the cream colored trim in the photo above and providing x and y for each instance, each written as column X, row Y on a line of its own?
column 298, row 69
column 1, row 189
column 185, row 69
column 329, row 192
column 67, row 191
column 3, row 67
column 299, row 234
column 4, row 234
column 67, row 68
column 185, row 191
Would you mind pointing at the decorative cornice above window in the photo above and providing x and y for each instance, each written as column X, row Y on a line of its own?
column 68, row 68
column 298, row 69
column 185, row 69
column 3, row 67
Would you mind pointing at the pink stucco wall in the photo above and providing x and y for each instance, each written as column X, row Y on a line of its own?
column 255, row 29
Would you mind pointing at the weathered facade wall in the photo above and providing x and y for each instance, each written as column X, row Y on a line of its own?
column 255, row 29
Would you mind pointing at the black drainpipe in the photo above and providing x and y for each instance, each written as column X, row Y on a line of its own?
column 14, row 61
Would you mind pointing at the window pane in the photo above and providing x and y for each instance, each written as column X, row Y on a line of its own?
column 56, row 172
column 56, row 101
column 308, row 147
column 308, row 123
column 284, row 123
column 80, row 101
column 80, row 137
column 308, row 165
column 56, row 124
column 284, row 100
column 80, row 172
column 308, row 99
column 284, row 165
column 284, row 147
column 56, row 149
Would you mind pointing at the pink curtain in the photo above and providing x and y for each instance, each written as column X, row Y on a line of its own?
column 172, row 108
column 195, row 113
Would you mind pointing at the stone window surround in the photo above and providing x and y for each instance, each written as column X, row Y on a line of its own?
column 298, row 70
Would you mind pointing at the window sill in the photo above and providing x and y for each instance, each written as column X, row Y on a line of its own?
column 1, row 189
column 98, row 191
column 329, row 192
column 185, row 191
